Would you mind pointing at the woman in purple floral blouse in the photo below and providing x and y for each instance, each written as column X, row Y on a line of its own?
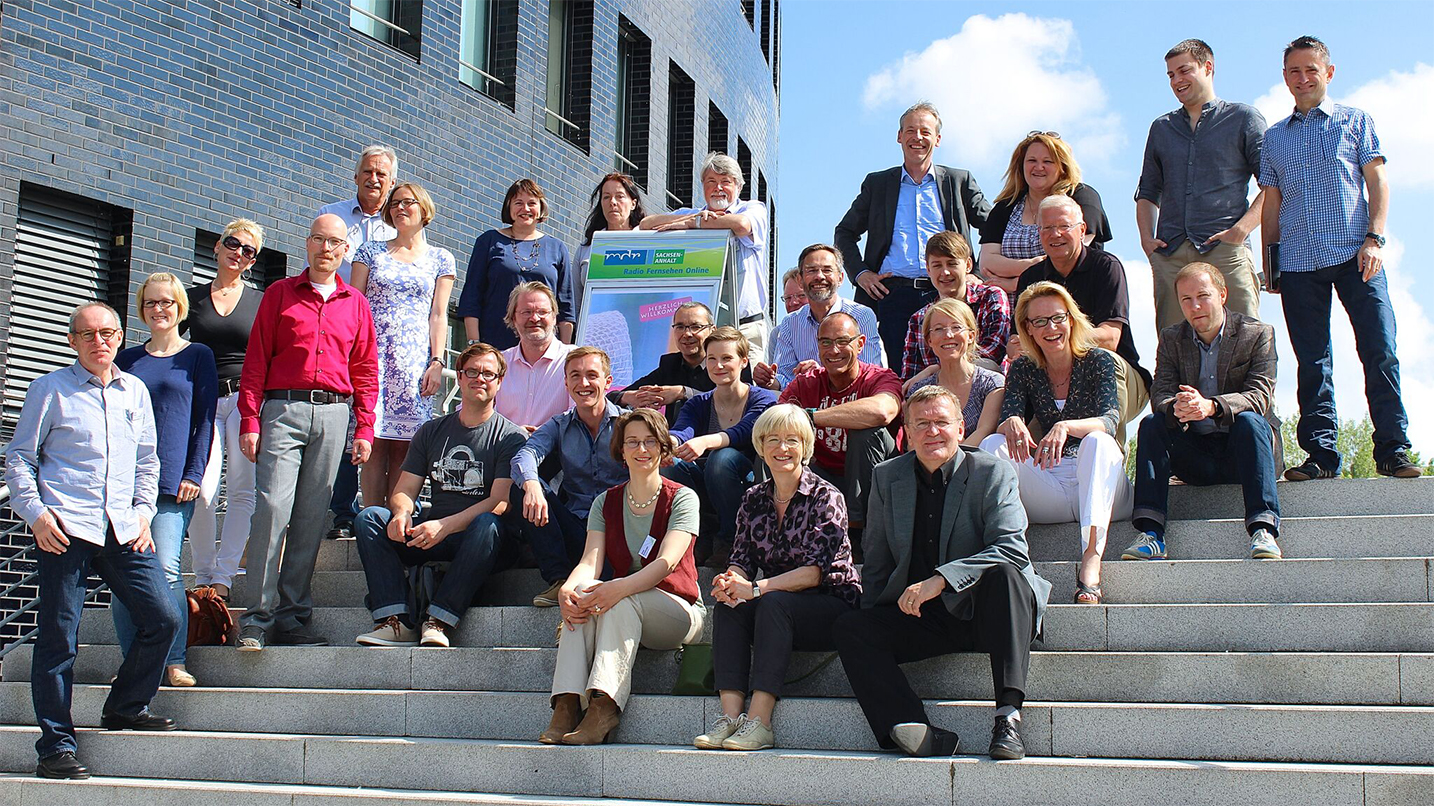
column 793, row 529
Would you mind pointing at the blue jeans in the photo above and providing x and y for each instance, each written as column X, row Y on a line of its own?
column 556, row 545
column 1245, row 456
column 1306, row 299
column 136, row 579
column 473, row 554
column 168, row 528
column 720, row 479
column 344, row 502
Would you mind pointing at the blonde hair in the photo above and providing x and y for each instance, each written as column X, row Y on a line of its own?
column 959, row 311
column 1082, row 339
column 1016, row 186
column 175, row 286
column 245, row 225
column 425, row 203
column 523, row 289
column 732, row 334
column 785, row 417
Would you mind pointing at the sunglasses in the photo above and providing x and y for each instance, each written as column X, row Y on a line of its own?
column 235, row 245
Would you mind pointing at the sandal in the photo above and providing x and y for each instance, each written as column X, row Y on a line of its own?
column 1088, row 594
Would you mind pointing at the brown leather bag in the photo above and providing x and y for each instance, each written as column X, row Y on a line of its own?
column 210, row 622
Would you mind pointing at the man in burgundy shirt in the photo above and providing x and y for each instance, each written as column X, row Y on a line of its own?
column 311, row 354
column 852, row 406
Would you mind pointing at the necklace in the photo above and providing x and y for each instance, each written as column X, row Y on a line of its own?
column 527, row 264
column 649, row 502
column 781, row 500
column 226, row 290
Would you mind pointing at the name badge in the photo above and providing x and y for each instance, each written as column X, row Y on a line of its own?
column 647, row 546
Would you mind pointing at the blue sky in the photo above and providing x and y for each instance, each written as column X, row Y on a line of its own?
column 1094, row 72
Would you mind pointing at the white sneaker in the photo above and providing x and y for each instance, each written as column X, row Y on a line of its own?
column 722, row 729
column 390, row 632
column 435, row 633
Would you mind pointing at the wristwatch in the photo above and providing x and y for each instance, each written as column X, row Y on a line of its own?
column 756, row 591
column 1379, row 240
column 437, row 359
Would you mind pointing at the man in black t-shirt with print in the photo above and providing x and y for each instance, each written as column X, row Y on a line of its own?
column 465, row 457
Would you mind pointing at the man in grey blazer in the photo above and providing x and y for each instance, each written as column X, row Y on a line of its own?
column 946, row 571
column 899, row 209
column 1212, row 419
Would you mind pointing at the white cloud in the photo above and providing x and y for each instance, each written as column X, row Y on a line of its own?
column 1040, row 84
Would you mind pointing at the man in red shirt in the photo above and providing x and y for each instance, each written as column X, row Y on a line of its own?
column 852, row 406
column 312, row 353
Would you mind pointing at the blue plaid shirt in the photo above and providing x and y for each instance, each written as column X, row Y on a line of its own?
column 1315, row 160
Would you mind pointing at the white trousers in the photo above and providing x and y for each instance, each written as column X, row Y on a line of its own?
column 1092, row 490
column 599, row 653
column 218, row 560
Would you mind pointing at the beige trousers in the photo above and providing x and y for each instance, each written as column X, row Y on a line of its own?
column 756, row 333
column 599, row 653
column 1133, row 396
column 1236, row 262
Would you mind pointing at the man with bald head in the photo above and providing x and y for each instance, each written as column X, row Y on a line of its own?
column 852, row 405
column 311, row 355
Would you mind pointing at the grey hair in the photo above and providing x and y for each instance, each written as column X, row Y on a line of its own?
column 920, row 106
column 725, row 165
column 694, row 305
column 378, row 151
column 75, row 314
column 1064, row 202
column 926, row 394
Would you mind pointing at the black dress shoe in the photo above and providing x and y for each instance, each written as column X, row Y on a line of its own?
column 919, row 740
column 63, row 766
column 1006, row 740
column 297, row 638
column 144, row 720
column 341, row 531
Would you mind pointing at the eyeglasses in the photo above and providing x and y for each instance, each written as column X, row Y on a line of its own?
column 790, row 298
column 689, row 328
column 328, row 244
column 843, row 342
column 235, row 245
column 1058, row 228
column 927, row 425
column 487, row 375
column 950, row 330
column 770, row 442
column 161, row 304
column 1054, row 319
column 633, row 444
column 106, row 334
column 402, row 204
column 1038, row 132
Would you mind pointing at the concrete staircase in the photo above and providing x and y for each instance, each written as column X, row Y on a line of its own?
column 1204, row 679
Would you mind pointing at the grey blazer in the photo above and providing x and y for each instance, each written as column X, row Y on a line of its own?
column 1245, row 372
column 873, row 212
column 982, row 524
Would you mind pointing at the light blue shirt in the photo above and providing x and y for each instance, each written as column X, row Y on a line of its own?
column 1317, row 160
column 588, row 466
column 795, row 339
column 918, row 217
column 362, row 229
column 752, row 280
column 85, row 452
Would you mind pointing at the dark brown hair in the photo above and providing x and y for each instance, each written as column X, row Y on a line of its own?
column 655, row 422
column 531, row 188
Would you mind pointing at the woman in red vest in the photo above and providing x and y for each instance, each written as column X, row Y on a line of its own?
column 641, row 533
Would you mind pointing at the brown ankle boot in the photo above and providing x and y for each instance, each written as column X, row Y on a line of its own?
column 567, row 711
column 598, row 724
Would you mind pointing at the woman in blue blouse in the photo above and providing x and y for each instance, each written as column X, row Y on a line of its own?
column 505, row 258
column 1064, row 384
column 714, row 436
column 183, row 389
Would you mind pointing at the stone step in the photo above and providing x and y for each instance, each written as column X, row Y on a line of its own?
column 1389, row 627
column 812, row 778
column 1345, row 535
column 1191, row 677
column 1320, row 498
column 1397, row 579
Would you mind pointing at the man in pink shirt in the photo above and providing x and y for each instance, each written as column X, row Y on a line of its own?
column 852, row 406
column 533, row 390
column 311, row 354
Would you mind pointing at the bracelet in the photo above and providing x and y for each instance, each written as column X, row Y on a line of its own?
column 472, row 342
column 437, row 359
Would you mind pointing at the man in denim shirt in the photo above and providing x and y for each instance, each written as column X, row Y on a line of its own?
column 1315, row 166
column 84, row 474
column 1196, row 178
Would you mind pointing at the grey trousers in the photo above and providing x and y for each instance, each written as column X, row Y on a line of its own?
column 300, row 447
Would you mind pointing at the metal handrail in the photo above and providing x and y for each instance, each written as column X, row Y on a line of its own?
column 626, row 161
column 380, row 20
column 561, row 119
column 484, row 73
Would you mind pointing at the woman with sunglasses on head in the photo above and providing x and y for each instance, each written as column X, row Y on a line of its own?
column 643, row 530
column 1060, row 411
column 1042, row 165
column 407, row 282
column 505, row 258
column 183, row 387
column 221, row 315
